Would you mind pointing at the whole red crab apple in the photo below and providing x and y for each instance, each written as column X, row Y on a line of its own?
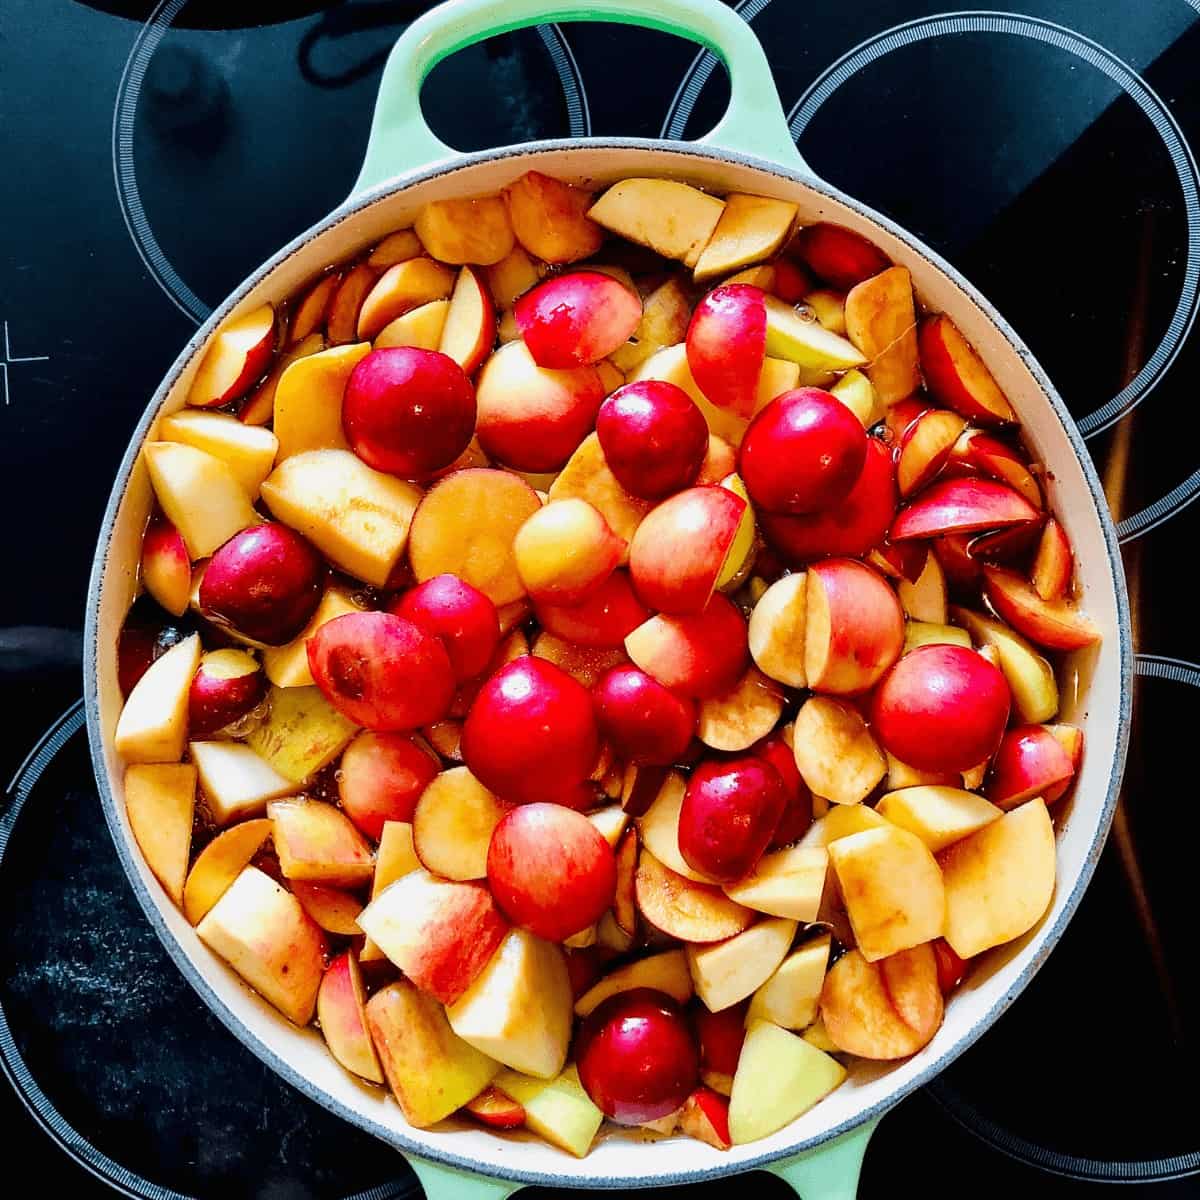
column 637, row 1057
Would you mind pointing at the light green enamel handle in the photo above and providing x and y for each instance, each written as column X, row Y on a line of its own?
column 401, row 141
column 830, row 1173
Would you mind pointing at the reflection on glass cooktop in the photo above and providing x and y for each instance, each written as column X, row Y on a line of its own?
column 161, row 150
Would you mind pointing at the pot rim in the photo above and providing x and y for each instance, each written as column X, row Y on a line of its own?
column 1045, row 938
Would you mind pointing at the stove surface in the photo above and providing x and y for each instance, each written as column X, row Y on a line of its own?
column 155, row 153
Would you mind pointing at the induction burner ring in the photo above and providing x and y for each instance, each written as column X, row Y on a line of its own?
column 1059, row 36
column 147, row 42
column 68, row 726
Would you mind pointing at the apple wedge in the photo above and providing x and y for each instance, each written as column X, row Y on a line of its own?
column 238, row 353
column 1055, row 624
column 1051, row 574
column 558, row 1110
column 236, row 782
column 264, row 934
column 924, row 599
column 658, row 825
column 287, row 666
column 152, row 727
column 777, row 630
column 612, row 823
column 684, row 909
column 750, row 229
column 939, row 816
column 549, row 218
column 464, row 230
column 313, row 308
column 1030, row 676
column 420, row 328
column 258, row 408
column 440, row 933
column 738, row 718
column 160, row 799
column 302, row 733
column 924, row 448
column 357, row 517
column 200, row 495
column 925, row 633
column 453, row 824
column 791, row 996
column 858, row 1014
column 341, row 322
column 247, row 450
column 999, row 881
column 341, row 1011
column 666, row 972
column 785, row 883
column 624, row 908
column 705, row 1117
column 674, row 219
column 219, row 864
column 978, row 450
column 1030, row 761
column 335, row 910
column 1070, row 737
column 587, row 477
column 854, row 390
column 892, row 889
column 512, row 276
column 962, row 506
column 401, row 288
column 395, row 248
column 911, row 979
column 881, row 321
column 395, row 857
column 800, row 338
column 779, row 1077
column 666, row 312
column 737, row 967
column 701, row 654
column 308, row 400
column 841, row 821
column 496, row 1110
column 957, row 376
column 430, row 1069
column 835, row 753
column 469, row 332
column 318, row 843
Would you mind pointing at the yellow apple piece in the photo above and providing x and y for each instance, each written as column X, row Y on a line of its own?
column 999, row 881
column 666, row 312
column 585, row 663
column 670, row 364
column 303, row 732
column 902, row 775
column 779, row 1077
column 357, row 517
column 287, row 666
column 841, row 821
column 220, row 863
column 939, row 816
column 341, row 1011
column 421, row 327
column 236, row 782
column 396, row 247
column 453, row 824
column 461, row 231
column 785, row 883
column 200, row 494
column 674, row 219
column 800, row 338
column 259, row 407
column 776, row 630
column 733, row 969
column 1030, row 676
column 666, row 972
column 247, row 450
column 160, row 799
column 925, row 633
column 430, row 1069
column 549, row 218
column 791, row 996
column 512, row 277
column 892, row 889
column 402, row 287
column 334, row 909
column 558, row 1109
column 830, row 309
column 152, row 727
column 260, row 929
column 308, row 400
column 237, row 354
column 858, row 1014
column 751, row 229
column 881, row 321
column 318, row 843
column 817, row 1035
column 738, row 718
column 835, row 753
column 519, row 1008
column 854, row 390
column 586, row 476
column 925, row 599
column 394, row 858
column 658, row 827
column 910, row 978
column 684, row 909
column 611, row 822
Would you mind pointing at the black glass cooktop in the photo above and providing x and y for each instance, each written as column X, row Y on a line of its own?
column 154, row 153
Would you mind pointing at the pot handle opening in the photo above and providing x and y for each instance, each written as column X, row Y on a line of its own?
column 400, row 140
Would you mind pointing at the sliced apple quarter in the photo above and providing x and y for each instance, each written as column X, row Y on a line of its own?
column 791, row 996
column 835, row 753
column 341, row 1011
column 1030, row 676
column 220, row 863
column 334, row 909
column 302, row 734
column 892, row 889
column 751, row 229
column 801, row 338
column 684, row 909
column 236, row 356
column 394, row 858
column 519, row 1008
column 733, row 969
column 237, row 782
column 430, row 1069
column 659, row 826
column 453, row 824
column 777, row 627
column 247, row 450
column 160, row 799
column 939, row 816
column 666, row 972
column 999, row 881
column 881, row 321
column 260, row 929
column 557, row 1109
column 779, row 1077
column 674, row 219
column 308, row 400
column 421, row 328
column 318, row 843
column 785, row 883
column 287, row 666
column 152, row 726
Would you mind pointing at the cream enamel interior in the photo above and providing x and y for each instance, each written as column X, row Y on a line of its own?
column 1096, row 700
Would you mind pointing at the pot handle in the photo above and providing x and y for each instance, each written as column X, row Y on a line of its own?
column 400, row 140
column 828, row 1173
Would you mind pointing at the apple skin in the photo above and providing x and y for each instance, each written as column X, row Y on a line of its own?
column 237, row 356
column 644, row 722
column 577, row 319
column 860, row 632
column 962, row 506
column 1055, row 624
column 726, row 345
column 462, row 616
column 551, row 870
column 803, row 453
column 720, row 1035
column 531, row 734
column 924, row 448
column 941, row 708
column 956, row 376
column 226, row 686
column 166, row 565
column 1051, row 573
column 979, row 451
column 951, row 970
column 603, row 620
column 381, row 777
column 798, row 808
column 729, row 813
column 681, row 546
column 854, row 527
column 637, row 1058
column 654, row 438
column 792, row 282
column 382, row 671
column 1029, row 762
column 264, row 584
column 839, row 256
